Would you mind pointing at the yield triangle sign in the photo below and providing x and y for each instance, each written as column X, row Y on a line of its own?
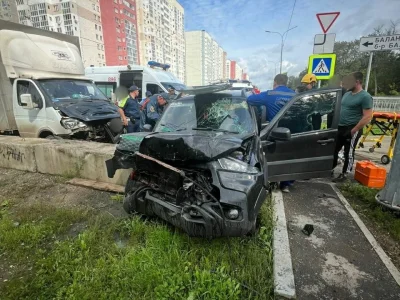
column 321, row 68
column 326, row 20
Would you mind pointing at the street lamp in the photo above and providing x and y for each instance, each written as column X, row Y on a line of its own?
column 282, row 35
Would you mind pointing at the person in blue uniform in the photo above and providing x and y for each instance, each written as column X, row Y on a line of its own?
column 274, row 100
column 130, row 110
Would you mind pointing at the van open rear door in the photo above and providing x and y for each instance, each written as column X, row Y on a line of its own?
column 131, row 77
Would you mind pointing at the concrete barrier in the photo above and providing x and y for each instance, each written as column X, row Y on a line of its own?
column 60, row 157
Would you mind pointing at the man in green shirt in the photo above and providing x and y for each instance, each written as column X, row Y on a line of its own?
column 356, row 112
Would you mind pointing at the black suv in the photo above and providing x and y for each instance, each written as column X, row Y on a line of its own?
column 206, row 165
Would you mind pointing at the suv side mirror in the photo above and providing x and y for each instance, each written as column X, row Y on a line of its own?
column 280, row 134
column 147, row 128
column 26, row 101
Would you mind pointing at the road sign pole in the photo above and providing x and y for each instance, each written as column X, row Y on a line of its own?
column 319, row 84
column 390, row 195
column 369, row 70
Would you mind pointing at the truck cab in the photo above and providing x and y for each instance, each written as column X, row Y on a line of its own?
column 43, row 91
column 154, row 78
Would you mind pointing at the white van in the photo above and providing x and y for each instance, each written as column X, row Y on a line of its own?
column 154, row 78
column 241, row 84
column 43, row 91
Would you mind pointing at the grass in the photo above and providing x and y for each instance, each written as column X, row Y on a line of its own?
column 126, row 258
column 363, row 199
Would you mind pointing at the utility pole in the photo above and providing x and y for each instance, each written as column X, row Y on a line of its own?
column 390, row 195
column 282, row 43
column 371, row 54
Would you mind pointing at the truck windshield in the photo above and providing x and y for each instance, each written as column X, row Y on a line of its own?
column 212, row 112
column 67, row 89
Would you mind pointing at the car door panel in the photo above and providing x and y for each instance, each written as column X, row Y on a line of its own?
column 311, row 157
column 309, row 152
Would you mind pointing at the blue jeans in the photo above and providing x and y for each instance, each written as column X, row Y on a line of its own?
column 133, row 127
column 286, row 183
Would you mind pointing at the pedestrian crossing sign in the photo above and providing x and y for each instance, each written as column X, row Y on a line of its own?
column 322, row 65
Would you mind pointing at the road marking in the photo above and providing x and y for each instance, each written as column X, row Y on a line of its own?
column 375, row 245
column 283, row 270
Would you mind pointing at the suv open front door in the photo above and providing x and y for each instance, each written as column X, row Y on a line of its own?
column 299, row 143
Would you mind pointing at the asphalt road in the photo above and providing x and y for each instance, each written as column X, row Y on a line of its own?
column 336, row 261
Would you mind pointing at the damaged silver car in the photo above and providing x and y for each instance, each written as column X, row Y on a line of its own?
column 203, row 168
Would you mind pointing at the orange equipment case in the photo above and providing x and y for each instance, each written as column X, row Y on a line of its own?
column 370, row 175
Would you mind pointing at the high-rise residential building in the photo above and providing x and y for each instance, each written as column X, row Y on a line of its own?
column 224, row 61
column 236, row 72
column 228, row 69
column 74, row 17
column 245, row 76
column 161, row 33
column 8, row 10
column 205, row 59
column 119, row 21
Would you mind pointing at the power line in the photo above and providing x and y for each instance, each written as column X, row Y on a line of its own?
column 290, row 21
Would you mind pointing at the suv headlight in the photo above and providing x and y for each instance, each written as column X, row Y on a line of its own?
column 69, row 123
column 236, row 165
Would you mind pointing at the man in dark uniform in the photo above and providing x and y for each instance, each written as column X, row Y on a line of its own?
column 155, row 108
column 130, row 110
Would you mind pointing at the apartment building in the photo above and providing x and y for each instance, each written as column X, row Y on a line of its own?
column 119, row 19
column 228, row 69
column 205, row 59
column 235, row 71
column 161, row 34
column 8, row 10
column 80, row 18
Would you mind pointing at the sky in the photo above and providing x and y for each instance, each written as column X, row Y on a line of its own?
column 239, row 28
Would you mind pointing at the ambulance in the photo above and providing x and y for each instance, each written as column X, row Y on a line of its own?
column 154, row 78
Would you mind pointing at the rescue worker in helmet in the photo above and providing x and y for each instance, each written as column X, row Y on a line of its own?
column 308, row 82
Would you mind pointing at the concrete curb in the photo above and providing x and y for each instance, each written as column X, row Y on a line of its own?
column 375, row 245
column 283, row 270
column 60, row 157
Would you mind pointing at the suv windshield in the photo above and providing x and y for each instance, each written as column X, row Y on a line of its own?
column 207, row 112
column 67, row 89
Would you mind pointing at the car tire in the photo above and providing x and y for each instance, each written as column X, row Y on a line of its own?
column 130, row 186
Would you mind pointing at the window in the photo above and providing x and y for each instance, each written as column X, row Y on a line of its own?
column 97, row 36
column 99, row 27
column 94, row 6
column 310, row 113
column 26, row 87
column 120, row 57
column 102, row 56
column 154, row 88
column 95, row 26
column 101, row 38
column 106, row 87
column 116, row 10
column 99, row 55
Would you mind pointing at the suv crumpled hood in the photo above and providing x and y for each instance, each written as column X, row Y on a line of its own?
column 89, row 110
column 199, row 146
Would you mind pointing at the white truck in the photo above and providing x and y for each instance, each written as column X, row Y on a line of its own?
column 44, row 92
column 155, row 78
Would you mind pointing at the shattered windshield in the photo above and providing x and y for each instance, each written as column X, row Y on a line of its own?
column 66, row 89
column 212, row 112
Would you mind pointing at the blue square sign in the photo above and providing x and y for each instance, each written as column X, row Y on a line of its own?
column 322, row 65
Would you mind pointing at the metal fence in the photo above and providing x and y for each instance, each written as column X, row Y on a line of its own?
column 387, row 104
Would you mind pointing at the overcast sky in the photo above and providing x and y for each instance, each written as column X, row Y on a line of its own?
column 239, row 27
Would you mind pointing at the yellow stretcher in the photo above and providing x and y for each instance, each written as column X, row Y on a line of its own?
column 388, row 124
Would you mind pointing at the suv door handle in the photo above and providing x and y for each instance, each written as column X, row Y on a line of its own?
column 326, row 141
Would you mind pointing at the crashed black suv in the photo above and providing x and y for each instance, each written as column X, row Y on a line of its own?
column 206, row 165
